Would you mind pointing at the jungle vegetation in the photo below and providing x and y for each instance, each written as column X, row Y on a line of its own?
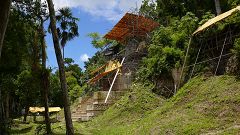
column 24, row 74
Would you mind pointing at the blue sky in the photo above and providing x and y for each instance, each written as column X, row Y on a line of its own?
column 95, row 16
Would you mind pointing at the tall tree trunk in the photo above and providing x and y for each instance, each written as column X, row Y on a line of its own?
column 67, row 111
column 2, row 116
column 26, row 113
column 36, row 54
column 63, row 53
column 4, row 14
column 7, row 106
column 45, row 80
column 218, row 7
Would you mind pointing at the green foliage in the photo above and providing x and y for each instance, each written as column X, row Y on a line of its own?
column 16, row 63
column 74, row 77
column 236, row 49
column 17, row 48
column 178, row 19
column 164, row 10
column 233, row 3
column 75, row 70
column 75, row 81
column 8, row 84
column 28, row 89
column 74, row 89
column 95, row 62
column 148, row 8
column 167, row 49
column 55, row 92
column 99, row 42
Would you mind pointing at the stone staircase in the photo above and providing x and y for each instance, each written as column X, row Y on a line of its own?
column 91, row 106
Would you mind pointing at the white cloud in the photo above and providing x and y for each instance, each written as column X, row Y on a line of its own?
column 84, row 58
column 111, row 10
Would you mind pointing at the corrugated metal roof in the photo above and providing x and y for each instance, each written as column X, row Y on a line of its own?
column 216, row 19
column 131, row 25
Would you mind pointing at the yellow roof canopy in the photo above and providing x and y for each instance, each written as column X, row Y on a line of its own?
column 109, row 67
column 216, row 19
column 42, row 109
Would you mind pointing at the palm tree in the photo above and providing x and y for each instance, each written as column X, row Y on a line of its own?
column 218, row 7
column 68, row 28
column 67, row 111
column 4, row 14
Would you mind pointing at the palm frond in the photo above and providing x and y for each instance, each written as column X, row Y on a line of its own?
column 68, row 28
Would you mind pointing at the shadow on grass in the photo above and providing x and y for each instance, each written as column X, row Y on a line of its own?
column 39, row 122
column 43, row 122
column 21, row 131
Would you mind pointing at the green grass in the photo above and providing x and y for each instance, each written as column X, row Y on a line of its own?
column 38, row 127
column 27, row 128
column 202, row 106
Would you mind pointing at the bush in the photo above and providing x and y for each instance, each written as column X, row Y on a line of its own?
column 167, row 48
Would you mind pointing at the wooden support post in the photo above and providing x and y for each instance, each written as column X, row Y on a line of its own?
column 220, row 57
column 113, row 81
column 196, row 60
column 184, row 63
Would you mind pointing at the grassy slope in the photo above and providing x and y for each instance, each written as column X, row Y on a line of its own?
column 202, row 106
column 31, row 128
column 209, row 106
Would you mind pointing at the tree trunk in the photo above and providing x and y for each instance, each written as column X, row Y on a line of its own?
column 63, row 53
column 4, row 14
column 45, row 84
column 45, row 80
column 36, row 54
column 67, row 111
column 7, row 106
column 218, row 7
column 2, row 116
column 26, row 113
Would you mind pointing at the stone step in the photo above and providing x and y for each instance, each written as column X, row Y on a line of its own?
column 82, row 118
column 85, row 118
column 94, row 106
column 94, row 113
column 89, row 113
column 101, row 95
column 76, row 116
column 79, row 113
column 98, row 107
column 80, row 109
column 103, row 102
column 90, row 107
